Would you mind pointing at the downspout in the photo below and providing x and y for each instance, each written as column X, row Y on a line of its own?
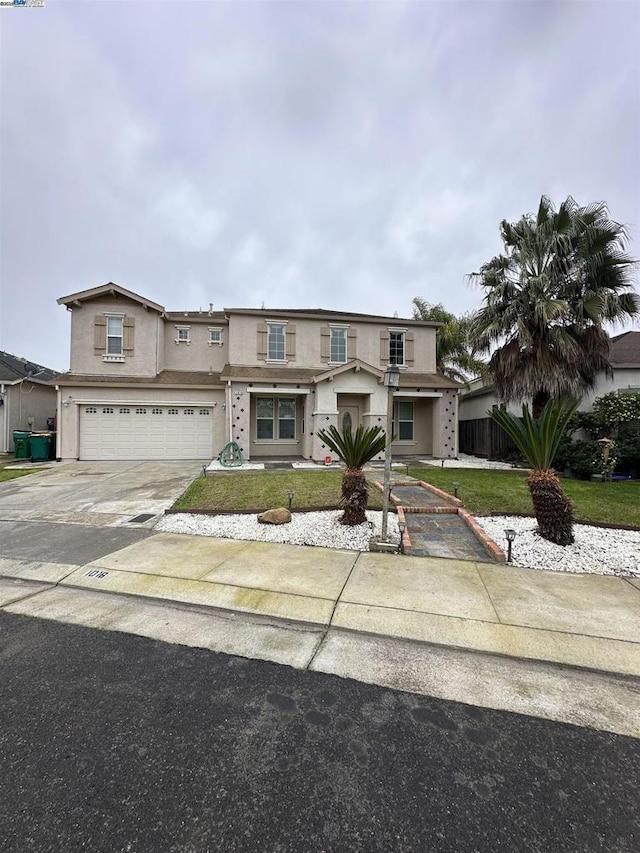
column 229, row 411
column 4, row 398
column 58, row 422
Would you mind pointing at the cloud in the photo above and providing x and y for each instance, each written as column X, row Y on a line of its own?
column 345, row 155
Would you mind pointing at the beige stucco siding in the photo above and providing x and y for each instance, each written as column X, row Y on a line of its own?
column 198, row 354
column 243, row 348
column 145, row 357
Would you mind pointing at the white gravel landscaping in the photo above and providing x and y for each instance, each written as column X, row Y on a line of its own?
column 596, row 550
column 306, row 528
column 466, row 461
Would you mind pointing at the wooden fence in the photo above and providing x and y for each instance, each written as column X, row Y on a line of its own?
column 483, row 437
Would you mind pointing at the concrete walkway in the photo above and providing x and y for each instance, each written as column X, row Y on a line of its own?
column 587, row 621
column 561, row 647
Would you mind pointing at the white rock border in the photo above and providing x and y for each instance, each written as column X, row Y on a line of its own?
column 321, row 529
column 596, row 550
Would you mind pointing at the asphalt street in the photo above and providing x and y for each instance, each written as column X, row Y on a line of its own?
column 111, row 742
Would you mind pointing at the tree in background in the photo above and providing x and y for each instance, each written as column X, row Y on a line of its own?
column 455, row 356
column 562, row 276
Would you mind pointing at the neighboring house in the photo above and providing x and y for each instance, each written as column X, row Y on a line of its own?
column 480, row 435
column 27, row 400
column 146, row 383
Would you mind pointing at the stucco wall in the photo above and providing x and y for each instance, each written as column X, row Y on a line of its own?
column 199, row 354
column 243, row 337
column 74, row 396
column 445, row 439
column 27, row 406
column 145, row 357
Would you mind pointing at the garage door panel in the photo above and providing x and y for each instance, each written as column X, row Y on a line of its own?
column 145, row 432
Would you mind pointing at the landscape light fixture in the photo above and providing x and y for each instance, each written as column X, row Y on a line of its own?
column 290, row 496
column 510, row 533
column 456, row 486
column 402, row 526
column 391, row 381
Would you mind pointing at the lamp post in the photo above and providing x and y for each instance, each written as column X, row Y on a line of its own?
column 511, row 535
column 391, row 382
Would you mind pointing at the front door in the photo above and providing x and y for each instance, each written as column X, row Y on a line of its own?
column 348, row 417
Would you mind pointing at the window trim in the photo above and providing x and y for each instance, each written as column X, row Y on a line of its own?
column 402, row 332
column 283, row 325
column 215, row 330
column 276, row 419
column 114, row 355
column 397, row 421
column 335, row 327
column 181, row 329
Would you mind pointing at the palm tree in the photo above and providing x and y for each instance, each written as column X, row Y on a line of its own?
column 455, row 355
column 355, row 451
column 538, row 442
column 563, row 275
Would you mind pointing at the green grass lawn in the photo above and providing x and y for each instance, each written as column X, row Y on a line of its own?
column 505, row 492
column 10, row 475
column 261, row 490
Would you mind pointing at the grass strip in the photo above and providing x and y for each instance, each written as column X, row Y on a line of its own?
column 248, row 490
column 505, row 492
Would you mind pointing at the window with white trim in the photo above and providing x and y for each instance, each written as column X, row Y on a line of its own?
column 183, row 334
column 404, row 420
column 338, row 344
column 396, row 347
column 115, row 335
column 276, row 342
column 215, row 337
column 276, row 418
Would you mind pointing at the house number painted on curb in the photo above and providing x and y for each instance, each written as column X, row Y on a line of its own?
column 96, row 573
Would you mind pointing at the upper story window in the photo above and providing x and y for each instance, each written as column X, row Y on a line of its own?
column 115, row 335
column 396, row 347
column 215, row 337
column 338, row 344
column 183, row 334
column 275, row 341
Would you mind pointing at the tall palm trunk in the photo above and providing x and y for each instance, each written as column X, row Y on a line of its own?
column 355, row 494
column 553, row 509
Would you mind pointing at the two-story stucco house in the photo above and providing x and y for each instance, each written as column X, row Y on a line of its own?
column 146, row 383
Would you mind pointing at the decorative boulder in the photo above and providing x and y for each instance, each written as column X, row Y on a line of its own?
column 275, row 516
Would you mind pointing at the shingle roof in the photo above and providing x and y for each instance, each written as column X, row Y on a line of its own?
column 625, row 348
column 12, row 367
column 324, row 314
column 304, row 375
column 268, row 374
column 166, row 378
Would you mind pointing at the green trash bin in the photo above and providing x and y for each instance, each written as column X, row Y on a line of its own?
column 21, row 444
column 40, row 444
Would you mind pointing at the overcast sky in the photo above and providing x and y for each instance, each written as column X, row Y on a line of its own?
column 340, row 155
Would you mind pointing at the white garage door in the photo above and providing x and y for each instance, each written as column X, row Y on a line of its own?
column 146, row 432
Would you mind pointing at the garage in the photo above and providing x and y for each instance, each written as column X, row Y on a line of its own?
column 146, row 431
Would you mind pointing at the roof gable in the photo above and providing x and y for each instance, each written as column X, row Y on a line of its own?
column 109, row 289
column 354, row 366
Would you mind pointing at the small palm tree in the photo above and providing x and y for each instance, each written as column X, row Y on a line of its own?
column 355, row 451
column 538, row 442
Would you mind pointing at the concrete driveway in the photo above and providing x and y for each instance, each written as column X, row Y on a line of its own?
column 96, row 493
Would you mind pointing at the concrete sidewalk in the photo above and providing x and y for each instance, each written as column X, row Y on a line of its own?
column 585, row 621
